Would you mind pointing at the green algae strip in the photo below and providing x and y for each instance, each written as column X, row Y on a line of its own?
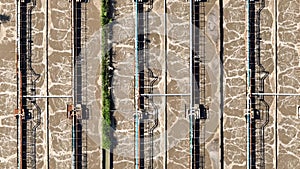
column 106, row 96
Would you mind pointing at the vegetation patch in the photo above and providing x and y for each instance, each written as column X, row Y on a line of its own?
column 106, row 95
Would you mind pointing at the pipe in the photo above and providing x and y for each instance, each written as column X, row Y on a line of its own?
column 73, row 50
column 276, row 94
column 276, row 84
column 248, row 118
column 136, row 88
column 19, row 91
column 152, row 129
column 165, row 95
column 53, row 96
column 74, row 93
column 38, row 122
column 74, row 154
column 191, row 82
column 47, row 88
column 19, row 140
column 165, row 86
column 221, row 44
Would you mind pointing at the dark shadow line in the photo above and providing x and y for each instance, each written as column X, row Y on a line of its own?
column 221, row 84
column 276, row 84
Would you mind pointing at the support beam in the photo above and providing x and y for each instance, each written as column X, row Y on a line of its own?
column 276, row 94
column 165, row 95
column 40, row 96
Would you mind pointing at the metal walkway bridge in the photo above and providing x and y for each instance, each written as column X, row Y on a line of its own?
column 257, row 113
column 78, row 111
column 28, row 113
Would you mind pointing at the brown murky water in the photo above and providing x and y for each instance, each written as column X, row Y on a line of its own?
column 178, row 82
